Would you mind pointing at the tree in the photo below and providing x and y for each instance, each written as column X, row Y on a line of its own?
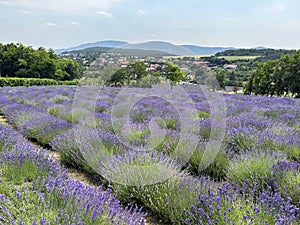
column 220, row 77
column 120, row 76
column 105, row 74
column 211, row 81
column 43, row 64
column 8, row 60
column 200, row 76
column 17, row 60
column 276, row 77
column 173, row 73
column 70, row 69
column 133, row 72
column 292, row 74
column 137, row 70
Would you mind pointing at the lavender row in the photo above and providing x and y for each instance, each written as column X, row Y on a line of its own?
column 33, row 122
column 35, row 189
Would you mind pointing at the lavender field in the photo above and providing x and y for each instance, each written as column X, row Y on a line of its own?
column 185, row 155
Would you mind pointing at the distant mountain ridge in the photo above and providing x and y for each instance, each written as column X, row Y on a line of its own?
column 108, row 44
column 97, row 51
column 161, row 46
column 201, row 50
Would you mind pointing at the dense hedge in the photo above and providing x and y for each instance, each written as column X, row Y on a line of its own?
column 14, row 82
column 68, row 82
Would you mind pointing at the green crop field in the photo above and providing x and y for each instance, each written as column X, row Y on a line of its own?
column 235, row 58
column 184, row 56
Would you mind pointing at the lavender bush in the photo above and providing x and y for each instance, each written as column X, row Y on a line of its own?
column 76, row 145
column 217, row 169
column 286, row 179
column 227, row 206
column 253, row 167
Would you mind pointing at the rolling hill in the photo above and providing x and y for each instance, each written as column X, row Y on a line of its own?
column 96, row 51
column 108, row 44
column 200, row 50
column 161, row 46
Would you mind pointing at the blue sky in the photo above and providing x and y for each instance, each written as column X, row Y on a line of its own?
column 65, row 23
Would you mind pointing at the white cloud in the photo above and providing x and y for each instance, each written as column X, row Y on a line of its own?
column 141, row 12
column 49, row 25
column 24, row 12
column 4, row 3
column 107, row 14
column 67, row 6
column 153, row 35
column 73, row 23
column 277, row 7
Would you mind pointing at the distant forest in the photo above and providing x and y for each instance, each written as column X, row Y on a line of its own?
column 246, row 60
column 265, row 54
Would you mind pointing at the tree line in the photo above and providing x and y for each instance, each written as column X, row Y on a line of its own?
column 135, row 73
column 17, row 60
column 276, row 77
column 264, row 54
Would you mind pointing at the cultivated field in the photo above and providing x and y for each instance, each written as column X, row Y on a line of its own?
column 229, row 58
column 188, row 56
column 184, row 155
column 235, row 58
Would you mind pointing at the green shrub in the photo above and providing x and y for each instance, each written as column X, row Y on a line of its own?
column 68, row 82
column 286, row 179
column 216, row 169
column 138, row 168
column 202, row 114
column 168, row 199
column 16, row 82
column 2, row 143
column 253, row 167
column 17, row 174
column 290, row 186
column 293, row 152
column 59, row 99
column 55, row 110
column 137, row 137
column 168, row 123
column 139, row 117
